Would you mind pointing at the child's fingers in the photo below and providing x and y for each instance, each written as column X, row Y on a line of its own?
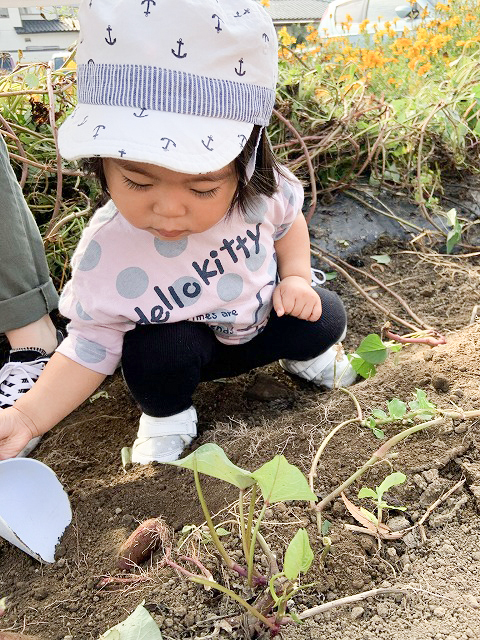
column 277, row 303
column 316, row 311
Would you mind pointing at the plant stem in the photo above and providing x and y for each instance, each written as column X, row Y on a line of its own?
column 378, row 455
column 243, row 531
column 221, row 549
column 252, row 544
column 251, row 512
column 214, row 585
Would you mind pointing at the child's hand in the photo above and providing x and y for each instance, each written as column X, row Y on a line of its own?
column 295, row 297
column 15, row 432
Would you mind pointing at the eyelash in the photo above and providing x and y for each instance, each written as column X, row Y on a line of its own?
column 134, row 185
column 211, row 193
column 206, row 194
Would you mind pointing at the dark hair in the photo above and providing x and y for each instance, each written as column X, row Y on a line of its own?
column 263, row 181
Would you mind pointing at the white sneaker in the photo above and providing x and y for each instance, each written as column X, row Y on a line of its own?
column 164, row 439
column 330, row 369
column 18, row 375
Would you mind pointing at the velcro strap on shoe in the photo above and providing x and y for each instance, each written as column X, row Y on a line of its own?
column 182, row 424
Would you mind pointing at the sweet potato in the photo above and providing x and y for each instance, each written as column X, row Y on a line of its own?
column 139, row 546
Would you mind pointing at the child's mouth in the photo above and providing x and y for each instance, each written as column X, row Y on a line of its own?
column 168, row 234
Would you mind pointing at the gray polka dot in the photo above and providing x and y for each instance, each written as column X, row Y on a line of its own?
column 89, row 351
column 288, row 193
column 272, row 267
column 187, row 289
column 107, row 214
column 170, row 249
column 83, row 315
column 229, row 287
column 91, row 256
column 255, row 260
column 255, row 211
column 132, row 282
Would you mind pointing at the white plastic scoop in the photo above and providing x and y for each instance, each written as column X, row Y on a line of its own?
column 34, row 507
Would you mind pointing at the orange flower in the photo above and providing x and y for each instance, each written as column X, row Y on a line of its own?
column 442, row 7
column 424, row 68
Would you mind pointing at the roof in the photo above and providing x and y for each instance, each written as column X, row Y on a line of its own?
column 297, row 10
column 47, row 26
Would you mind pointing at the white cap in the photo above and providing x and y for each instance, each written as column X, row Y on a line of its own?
column 176, row 83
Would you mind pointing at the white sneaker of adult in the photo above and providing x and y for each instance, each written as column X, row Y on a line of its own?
column 330, row 369
column 17, row 376
column 164, row 439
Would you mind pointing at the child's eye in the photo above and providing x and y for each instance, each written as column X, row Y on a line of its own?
column 206, row 194
column 134, row 185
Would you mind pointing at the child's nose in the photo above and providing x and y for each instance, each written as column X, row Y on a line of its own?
column 168, row 208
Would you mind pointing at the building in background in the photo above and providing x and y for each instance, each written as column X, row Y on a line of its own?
column 295, row 12
column 37, row 32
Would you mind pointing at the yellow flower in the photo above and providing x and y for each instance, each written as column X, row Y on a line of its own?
column 312, row 36
column 266, row 3
column 285, row 38
column 442, row 7
column 392, row 81
column 363, row 26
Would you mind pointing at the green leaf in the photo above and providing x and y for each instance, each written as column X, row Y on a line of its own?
column 372, row 349
column 382, row 259
column 378, row 413
column 368, row 514
column 326, row 524
column 331, row 275
column 378, row 433
column 366, row 492
column 126, row 454
column 390, row 481
column 279, row 480
column 393, row 506
column 31, row 80
column 298, row 556
column 212, row 461
column 453, row 237
column 364, row 369
column 396, row 408
column 138, row 626
column 222, row 532
column 452, row 217
column 422, row 402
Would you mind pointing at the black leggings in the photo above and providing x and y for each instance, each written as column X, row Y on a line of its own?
column 163, row 363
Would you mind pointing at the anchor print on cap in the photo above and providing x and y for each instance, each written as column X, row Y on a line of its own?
column 207, row 144
column 148, row 3
column 240, row 71
column 218, row 28
column 178, row 53
column 109, row 39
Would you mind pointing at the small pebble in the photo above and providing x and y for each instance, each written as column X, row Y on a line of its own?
column 427, row 355
column 118, row 510
column 439, row 612
column 472, row 601
column 357, row 612
column 476, row 555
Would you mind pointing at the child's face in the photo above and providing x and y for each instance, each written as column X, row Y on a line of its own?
column 168, row 204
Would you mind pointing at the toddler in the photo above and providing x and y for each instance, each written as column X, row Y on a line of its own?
column 198, row 265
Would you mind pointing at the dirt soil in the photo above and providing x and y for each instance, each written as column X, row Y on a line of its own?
column 436, row 568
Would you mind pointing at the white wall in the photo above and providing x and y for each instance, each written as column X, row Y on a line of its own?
column 36, row 47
